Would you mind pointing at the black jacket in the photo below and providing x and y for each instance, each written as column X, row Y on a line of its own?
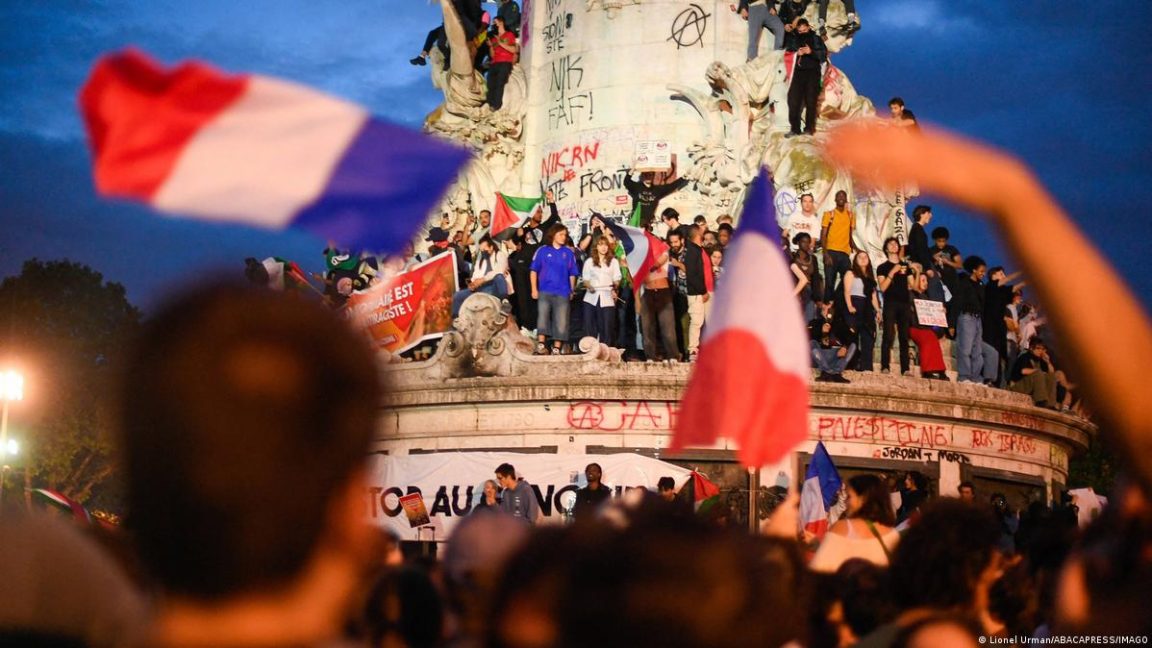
column 918, row 246
column 969, row 296
column 694, row 268
column 819, row 51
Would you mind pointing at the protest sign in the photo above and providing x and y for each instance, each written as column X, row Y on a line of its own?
column 410, row 307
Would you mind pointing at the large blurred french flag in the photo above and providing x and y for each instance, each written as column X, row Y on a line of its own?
column 750, row 382
column 641, row 250
column 194, row 141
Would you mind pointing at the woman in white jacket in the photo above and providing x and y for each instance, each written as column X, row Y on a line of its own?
column 601, row 278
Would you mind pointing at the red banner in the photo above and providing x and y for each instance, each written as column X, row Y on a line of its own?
column 411, row 307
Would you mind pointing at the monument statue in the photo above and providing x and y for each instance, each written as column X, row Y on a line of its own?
column 599, row 79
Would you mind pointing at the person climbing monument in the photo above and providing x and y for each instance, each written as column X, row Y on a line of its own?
column 853, row 25
column 504, row 50
column 805, row 89
column 761, row 15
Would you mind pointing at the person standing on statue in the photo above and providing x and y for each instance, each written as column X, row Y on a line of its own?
column 657, row 317
column 503, row 55
column 761, row 15
column 804, row 92
column 554, row 274
column 853, row 20
column 646, row 194
column 836, row 238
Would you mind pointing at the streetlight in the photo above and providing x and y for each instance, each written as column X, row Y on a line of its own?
column 11, row 389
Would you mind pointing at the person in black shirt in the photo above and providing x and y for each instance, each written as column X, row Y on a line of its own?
column 918, row 250
column 805, row 89
column 804, row 267
column 671, row 219
column 829, row 353
column 892, row 278
column 1034, row 374
column 946, row 260
column 997, row 297
column 646, row 195
column 969, row 300
column 791, row 11
column 592, row 495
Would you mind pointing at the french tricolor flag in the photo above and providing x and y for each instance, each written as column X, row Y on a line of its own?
column 641, row 250
column 750, row 383
column 820, row 489
column 245, row 148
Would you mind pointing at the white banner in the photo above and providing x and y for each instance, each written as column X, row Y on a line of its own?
column 452, row 483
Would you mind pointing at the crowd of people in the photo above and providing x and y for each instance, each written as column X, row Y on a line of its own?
column 923, row 298
column 242, row 562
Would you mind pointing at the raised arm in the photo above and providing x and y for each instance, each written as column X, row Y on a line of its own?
column 987, row 180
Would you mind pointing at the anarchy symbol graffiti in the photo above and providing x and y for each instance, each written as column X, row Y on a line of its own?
column 786, row 203
column 689, row 26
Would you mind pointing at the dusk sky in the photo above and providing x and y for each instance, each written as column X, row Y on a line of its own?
column 1064, row 85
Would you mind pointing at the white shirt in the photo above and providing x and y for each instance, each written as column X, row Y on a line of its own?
column 600, row 280
column 496, row 264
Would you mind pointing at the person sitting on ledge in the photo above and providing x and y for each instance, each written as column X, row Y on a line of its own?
column 828, row 353
column 489, row 274
column 1033, row 374
column 853, row 25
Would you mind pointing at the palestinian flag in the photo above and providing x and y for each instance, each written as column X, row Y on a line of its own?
column 702, row 493
column 510, row 213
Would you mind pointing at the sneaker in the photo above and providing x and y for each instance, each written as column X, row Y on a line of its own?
column 823, row 31
column 540, row 349
column 839, row 378
column 419, row 60
column 824, row 377
column 692, row 357
column 885, row 371
column 792, row 134
column 556, row 351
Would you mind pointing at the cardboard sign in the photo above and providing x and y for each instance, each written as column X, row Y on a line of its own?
column 652, row 155
column 410, row 307
column 415, row 510
column 930, row 313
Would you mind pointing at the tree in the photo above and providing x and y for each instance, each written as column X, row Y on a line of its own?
column 67, row 326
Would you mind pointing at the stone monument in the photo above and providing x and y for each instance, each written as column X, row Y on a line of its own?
column 599, row 80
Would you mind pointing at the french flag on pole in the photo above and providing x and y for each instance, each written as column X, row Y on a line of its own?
column 641, row 250
column 256, row 150
column 819, row 491
column 750, row 383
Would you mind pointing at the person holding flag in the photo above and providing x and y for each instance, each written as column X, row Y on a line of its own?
column 820, row 489
column 866, row 531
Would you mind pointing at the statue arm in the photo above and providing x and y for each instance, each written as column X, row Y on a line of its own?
column 1033, row 225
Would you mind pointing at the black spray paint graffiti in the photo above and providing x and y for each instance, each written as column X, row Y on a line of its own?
column 599, row 181
column 920, row 454
column 555, row 31
column 689, row 26
column 569, row 104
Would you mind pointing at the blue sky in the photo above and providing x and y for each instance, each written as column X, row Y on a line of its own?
column 1064, row 85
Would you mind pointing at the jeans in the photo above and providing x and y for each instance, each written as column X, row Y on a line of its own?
column 828, row 360
column 759, row 19
column 991, row 367
column 969, row 354
column 498, row 287
column 897, row 319
column 658, row 321
column 552, row 318
column 600, row 323
column 498, row 74
column 840, row 263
